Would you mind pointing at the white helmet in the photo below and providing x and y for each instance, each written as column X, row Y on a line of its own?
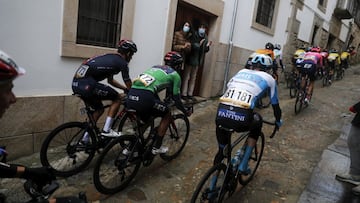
column 262, row 60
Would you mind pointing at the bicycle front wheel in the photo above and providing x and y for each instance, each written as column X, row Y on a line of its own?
column 117, row 165
column 176, row 136
column 254, row 161
column 209, row 187
column 68, row 149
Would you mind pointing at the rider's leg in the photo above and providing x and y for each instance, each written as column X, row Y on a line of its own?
column 114, row 108
column 223, row 138
column 161, row 130
column 255, row 131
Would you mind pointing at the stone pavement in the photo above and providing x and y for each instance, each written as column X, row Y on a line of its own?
column 322, row 186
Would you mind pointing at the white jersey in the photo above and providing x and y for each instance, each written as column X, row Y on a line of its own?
column 247, row 86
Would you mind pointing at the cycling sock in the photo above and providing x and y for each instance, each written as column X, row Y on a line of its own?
column 244, row 162
column 108, row 124
column 158, row 141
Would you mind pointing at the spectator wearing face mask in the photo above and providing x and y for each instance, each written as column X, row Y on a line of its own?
column 181, row 42
column 199, row 46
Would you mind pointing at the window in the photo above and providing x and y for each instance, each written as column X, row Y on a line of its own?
column 265, row 12
column 92, row 27
column 99, row 22
column 321, row 2
column 322, row 5
column 264, row 15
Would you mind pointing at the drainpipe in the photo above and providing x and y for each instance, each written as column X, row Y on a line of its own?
column 228, row 58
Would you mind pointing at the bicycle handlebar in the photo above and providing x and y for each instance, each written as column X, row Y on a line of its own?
column 275, row 128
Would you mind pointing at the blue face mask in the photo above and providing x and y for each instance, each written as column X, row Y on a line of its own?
column 201, row 32
column 186, row 28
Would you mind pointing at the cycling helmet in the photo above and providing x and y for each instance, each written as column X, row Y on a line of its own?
column 269, row 46
column 262, row 60
column 8, row 68
column 173, row 59
column 315, row 49
column 277, row 46
column 125, row 46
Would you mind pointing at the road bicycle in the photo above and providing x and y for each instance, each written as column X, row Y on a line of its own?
column 340, row 71
column 294, row 83
column 120, row 161
column 302, row 94
column 221, row 180
column 41, row 190
column 70, row 147
column 327, row 77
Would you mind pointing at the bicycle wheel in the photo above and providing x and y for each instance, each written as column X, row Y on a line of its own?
column 176, row 136
column 117, row 165
column 292, row 88
column 208, row 189
column 254, row 160
column 325, row 81
column 299, row 102
column 126, row 125
column 66, row 150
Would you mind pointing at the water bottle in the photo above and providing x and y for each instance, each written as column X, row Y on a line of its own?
column 235, row 161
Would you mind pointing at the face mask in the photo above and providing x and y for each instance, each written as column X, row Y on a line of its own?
column 201, row 32
column 186, row 28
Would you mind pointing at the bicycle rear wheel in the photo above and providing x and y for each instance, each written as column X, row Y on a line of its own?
column 292, row 88
column 117, row 165
column 66, row 150
column 209, row 187
column 176, row 136
column 299, row 102
column 254, row 160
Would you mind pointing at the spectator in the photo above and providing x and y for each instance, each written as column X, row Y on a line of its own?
column 181, row 42
column 199, row 46
column 353, row 142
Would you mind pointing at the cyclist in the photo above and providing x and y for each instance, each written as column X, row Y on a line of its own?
column 236, row 108
column 8, row 72
column 278, row 57
column 143, row 95
column 333, row 60
column 309, row 66
column 324, row 53
column 86, row 82
column 345, row 56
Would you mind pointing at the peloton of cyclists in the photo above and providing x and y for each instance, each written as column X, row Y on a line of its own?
column 236, row 108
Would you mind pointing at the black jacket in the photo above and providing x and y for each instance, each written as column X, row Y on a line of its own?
column 356, row 120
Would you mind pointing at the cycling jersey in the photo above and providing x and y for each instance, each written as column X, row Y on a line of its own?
column 247, row 86
column 158, row 78
column 267, row 52
column 334, row 57
column 102, row 67
column 344, row 55
column 314, row 58
column 143, row 95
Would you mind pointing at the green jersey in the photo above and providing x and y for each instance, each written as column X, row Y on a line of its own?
column 158, row 78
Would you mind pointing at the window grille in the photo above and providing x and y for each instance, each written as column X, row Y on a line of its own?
column 265, row 12
column 99, row 22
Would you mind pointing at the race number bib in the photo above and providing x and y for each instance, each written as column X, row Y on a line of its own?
column 146, row 79
column 238, row 98
column 81, row 71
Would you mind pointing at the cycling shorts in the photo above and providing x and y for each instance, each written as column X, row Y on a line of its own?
column 146, row 104
column 236, row 118
column 308, row 68
column 93, row 92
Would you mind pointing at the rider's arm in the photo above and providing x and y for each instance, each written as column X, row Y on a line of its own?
column 115, row 83
column 11, row 170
